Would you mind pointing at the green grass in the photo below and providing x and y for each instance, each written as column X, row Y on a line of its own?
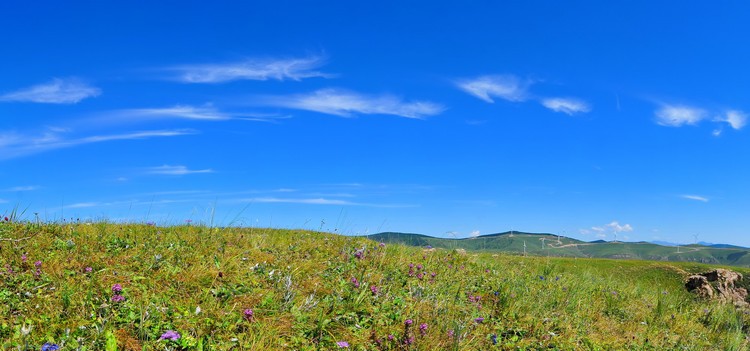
column 300, row 286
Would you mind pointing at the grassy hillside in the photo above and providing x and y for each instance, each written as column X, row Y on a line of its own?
column 551, row 245
column 138, row 287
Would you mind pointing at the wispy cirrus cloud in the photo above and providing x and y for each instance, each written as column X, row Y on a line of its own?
column 84, row 205
column 21, row 188
column 569, row 106
column 252, row 69
column 13, row 145
column 308, row 201
column 346, row 104
column 203, row 113
column 679, row 115
column 506, row 87
column 176, row 170
column 57, row 91
column 695, row 198
column 320, row 201
column 208, row 113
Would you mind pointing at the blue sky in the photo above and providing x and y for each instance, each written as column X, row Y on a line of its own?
column 589, row 119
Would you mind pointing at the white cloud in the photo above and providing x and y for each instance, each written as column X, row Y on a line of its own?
column 320, row 201
column 176, row 170
column 311, row 201
column 507, row 87
column 132, row 136
column 616, row 227
column 346, row 104
column 83, row 205
column 474, row 233
column 677, row 116
column 278, row 69
column 181, row 111
column 598, row 230
column 22, row 188
column 568, row 106
column 203, row 113
column 14, row 145
column 58, row 91
column 695, row 197
column 613, row 227
column 735, row 118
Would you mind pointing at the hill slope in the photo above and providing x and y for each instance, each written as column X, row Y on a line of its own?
column 136, row 287
column 560, row 246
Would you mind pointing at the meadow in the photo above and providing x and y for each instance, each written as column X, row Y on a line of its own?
column 110, row 286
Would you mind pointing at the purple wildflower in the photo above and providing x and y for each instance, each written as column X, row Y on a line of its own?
column 420, row 267
column 88, row 269
column 38, row 264
column 117, row 289
column 381, row 244
column 24, row 258
column 391, row 337
column 359, row 254
column 248, row 314
column 48, row 346
column 118, row 298
column 170, row 335
column 423, row 328
column 474, row 299
column 408, row 322
column 355, row 282
column 374, row 289
column 342, row 344
column 420, row 275
column 479, row 319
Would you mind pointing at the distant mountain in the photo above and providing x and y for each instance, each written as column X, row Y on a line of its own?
column 721, row 246
column 542, row 244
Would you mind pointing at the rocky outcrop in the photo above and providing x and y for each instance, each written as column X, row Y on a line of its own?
column 720, row 284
